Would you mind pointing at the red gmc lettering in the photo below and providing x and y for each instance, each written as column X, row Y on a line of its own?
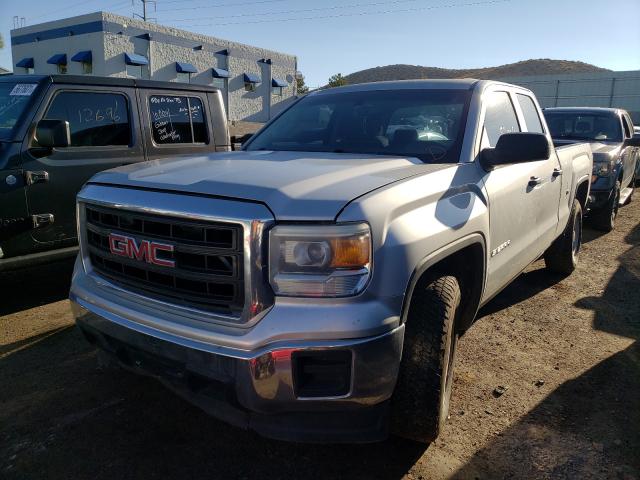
column 147, row 250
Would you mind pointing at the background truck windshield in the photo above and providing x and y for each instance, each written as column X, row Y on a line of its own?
column 427, row 124
column 14, row 98
column 584, row 126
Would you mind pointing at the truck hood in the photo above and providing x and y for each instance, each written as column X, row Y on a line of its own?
column 600, row 149
column 294, row 185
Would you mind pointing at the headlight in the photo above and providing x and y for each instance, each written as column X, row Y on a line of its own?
column 602, row 169
column 319, row 260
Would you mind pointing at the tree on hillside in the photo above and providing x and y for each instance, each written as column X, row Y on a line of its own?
column 337, row 80
column 301, row 87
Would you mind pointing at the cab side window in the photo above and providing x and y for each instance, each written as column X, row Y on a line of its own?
column 176, row 119
column 500, row 117
column 95, row 119
column 530, row 112
column 628, row 127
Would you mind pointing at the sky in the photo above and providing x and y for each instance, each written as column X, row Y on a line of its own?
column 334, row 36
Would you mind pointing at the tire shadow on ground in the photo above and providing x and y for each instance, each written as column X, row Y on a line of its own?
column 35, row 286
column 63, row 417
column 589, row 427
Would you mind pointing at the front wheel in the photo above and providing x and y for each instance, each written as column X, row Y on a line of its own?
column 420, row 403
column 562, row 255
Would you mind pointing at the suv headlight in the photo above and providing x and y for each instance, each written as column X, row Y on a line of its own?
column 601, row 168
column 319, row 260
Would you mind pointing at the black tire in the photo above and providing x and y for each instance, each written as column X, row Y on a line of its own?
column 420, row 403
column 604, row 219
column 562, row 255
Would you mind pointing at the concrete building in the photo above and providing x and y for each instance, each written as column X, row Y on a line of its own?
column 601, row 89
column 256, row 83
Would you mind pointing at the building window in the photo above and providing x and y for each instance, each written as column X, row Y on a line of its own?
column 134, row 71
column 28, row 70
column 183, row 77
column 95, row 119
column 249, row 86
column 87, row 68
column 276, row 91
column 62, row 69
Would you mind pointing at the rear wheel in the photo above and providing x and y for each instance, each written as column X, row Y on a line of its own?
column 420, row 403
column 605, row 218
column 562, row 255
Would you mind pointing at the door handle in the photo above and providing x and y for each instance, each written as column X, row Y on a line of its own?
column 533, row 181
column 42, row 220
column 40, row 176
column 557, row 172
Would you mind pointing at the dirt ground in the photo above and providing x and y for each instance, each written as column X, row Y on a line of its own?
column 566, row 349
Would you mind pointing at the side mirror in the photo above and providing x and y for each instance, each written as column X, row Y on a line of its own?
column 516, row 148
column 632, row 142
column 53, row 133
column 238, row 140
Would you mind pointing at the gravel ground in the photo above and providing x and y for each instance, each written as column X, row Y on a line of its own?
column 565, row 350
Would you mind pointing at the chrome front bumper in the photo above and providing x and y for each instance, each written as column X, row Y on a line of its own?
column 252, row 388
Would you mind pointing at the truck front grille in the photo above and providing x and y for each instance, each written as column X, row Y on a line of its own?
column 207, row 258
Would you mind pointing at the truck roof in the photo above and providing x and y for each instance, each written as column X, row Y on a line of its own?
column 614, row 111
column 445, row 84
column 105, row 81
column 427, row 84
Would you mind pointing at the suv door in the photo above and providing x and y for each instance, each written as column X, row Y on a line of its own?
column 514, row 200
column 102, row 122
column 176, row 123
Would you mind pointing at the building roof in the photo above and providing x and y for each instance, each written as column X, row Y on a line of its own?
column 109, row 22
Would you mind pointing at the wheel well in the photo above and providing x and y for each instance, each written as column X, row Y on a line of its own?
column 467, row 265
column 581, row 194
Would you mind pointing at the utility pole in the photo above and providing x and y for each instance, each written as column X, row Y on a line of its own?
column 144, row 15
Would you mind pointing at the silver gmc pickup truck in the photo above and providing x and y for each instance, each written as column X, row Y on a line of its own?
column 313, row 286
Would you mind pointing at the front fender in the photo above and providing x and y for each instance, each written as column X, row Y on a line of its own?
column 417, row 221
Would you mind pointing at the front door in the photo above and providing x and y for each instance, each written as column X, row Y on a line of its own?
column 103, row 136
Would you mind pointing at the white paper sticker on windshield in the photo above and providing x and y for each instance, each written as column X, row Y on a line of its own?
column 23, row 89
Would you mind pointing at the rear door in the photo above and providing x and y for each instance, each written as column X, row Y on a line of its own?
column 103, row 135
column 548, row 192
column 514, row 200
column 176, row 123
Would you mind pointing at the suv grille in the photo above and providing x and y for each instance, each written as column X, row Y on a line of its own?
column 208, row 272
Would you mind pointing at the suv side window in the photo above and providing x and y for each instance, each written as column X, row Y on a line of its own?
column 95, row 119
column 628, row 129
column 176, row 119
column 530, row 112
column 500, row 117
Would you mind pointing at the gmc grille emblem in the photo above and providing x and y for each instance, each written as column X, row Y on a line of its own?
column 145, row 250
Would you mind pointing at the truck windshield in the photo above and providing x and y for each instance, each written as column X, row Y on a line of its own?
column 14, row 97
column 427, row 124
column 584, row 126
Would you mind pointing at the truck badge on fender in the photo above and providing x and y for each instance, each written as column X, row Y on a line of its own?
column 500, row 247
column 147, row 250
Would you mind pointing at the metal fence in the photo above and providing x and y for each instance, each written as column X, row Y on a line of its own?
column 606, row 89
